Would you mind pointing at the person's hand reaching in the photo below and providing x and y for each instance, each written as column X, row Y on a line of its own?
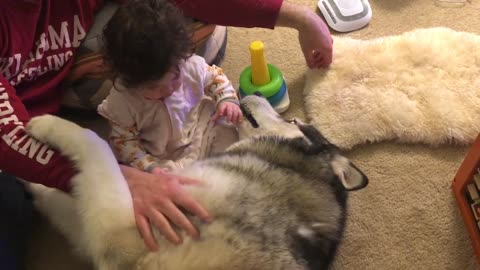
column 313, row 34
column 316, row 42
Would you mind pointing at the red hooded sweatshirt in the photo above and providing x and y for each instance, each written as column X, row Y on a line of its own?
column 38, row 39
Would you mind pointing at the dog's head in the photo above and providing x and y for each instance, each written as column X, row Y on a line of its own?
column 261, row 120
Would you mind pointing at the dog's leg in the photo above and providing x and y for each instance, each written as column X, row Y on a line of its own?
column 101, row 192
column 59, row 208
column 99, row 183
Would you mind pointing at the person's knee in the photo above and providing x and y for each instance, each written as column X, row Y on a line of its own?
column 15, row 202
column 16, row 212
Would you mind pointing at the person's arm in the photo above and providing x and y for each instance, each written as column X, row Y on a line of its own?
column 313, row 33
column 242, row 13
column 220, row 89
column 218, row 86
column 22, row 155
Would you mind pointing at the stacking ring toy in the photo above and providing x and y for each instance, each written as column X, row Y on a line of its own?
column 264, row 78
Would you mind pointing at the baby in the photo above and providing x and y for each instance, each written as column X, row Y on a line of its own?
column 163, row 97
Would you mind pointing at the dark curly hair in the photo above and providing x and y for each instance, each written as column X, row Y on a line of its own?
column 144, row 39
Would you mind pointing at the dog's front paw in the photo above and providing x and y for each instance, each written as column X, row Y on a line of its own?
column 41, row 126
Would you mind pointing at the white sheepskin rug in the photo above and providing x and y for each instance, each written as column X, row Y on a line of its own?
column 419, row 87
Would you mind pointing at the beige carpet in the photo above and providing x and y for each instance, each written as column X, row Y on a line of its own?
column 406, row 218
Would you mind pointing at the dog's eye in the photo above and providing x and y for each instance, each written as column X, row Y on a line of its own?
column 292, row 121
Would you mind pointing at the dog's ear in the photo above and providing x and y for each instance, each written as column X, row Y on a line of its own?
column 348, row 174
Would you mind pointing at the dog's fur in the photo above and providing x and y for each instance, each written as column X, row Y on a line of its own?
column 279, row 198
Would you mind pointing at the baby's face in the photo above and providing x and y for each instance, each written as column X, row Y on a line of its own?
column 164, row 87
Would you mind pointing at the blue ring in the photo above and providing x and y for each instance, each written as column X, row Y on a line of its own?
column 275, row 99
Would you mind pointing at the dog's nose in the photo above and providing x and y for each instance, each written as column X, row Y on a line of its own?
column 258, row 94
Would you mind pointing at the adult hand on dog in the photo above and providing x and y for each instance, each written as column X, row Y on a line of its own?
column 156, row 198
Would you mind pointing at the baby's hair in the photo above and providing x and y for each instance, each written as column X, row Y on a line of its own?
column 144, row 39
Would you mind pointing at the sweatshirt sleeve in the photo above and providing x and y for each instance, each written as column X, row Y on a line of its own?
column 23, row 156
column 218, row 86
column 241, row 13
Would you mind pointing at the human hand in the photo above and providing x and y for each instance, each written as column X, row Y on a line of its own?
column 230, row 110
column 313, row 33
column 316, row 41
column 156, row 198
column 158, row 171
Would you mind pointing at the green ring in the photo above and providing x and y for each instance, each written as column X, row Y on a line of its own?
column 267, row 90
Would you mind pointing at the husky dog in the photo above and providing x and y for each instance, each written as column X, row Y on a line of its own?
column 279, row 198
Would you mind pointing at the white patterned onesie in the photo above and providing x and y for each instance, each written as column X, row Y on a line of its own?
column 170, row 133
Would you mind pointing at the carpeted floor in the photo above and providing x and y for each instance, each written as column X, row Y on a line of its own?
column 406, row 218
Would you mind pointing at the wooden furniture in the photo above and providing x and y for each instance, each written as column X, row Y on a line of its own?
column 464, row 177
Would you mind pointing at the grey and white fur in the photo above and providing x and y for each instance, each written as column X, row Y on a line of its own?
column 279, row 198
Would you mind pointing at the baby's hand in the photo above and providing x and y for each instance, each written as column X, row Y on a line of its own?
column 230, row 110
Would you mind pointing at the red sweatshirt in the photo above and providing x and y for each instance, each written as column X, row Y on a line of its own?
column 243, row 13
column 38, row 39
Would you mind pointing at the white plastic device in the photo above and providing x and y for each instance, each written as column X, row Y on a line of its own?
column 346, row 15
